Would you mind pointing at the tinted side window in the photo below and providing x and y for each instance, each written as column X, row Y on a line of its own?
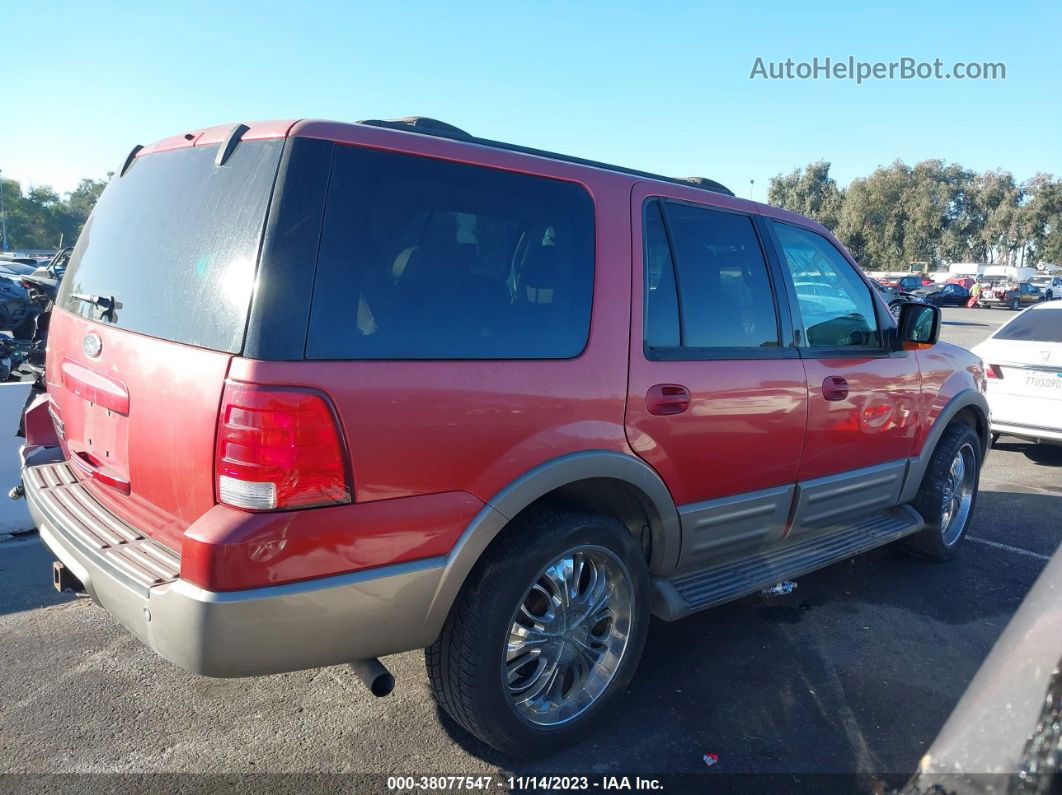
column 724, row 290
column 427, row 259
column 661, row 300
column 835, row 304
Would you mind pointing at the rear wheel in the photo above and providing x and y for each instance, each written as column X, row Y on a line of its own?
column 948, row 493
column 546, row 634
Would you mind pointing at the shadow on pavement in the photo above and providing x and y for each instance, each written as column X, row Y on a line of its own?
column 1049, row 455
column 855, row 671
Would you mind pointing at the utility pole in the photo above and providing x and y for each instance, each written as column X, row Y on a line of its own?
column 3, row 216
column 752, row 189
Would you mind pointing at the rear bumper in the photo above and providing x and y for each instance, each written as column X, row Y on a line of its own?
column 1034, row 432
column 290, row 627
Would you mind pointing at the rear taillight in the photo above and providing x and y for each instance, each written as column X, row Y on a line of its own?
column 278, row 448
column 993, row 371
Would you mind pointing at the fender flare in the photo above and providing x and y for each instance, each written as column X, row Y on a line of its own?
column 500, row 509
column 965, row 399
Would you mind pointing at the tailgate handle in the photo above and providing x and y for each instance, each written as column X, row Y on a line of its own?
column 90, row 467
column 95, row 388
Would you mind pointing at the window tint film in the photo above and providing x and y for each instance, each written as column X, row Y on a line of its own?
column 725, row 292
column 1038, row 324
column 175, row 243
column 661, row 301
column 835, row 303
column 426, row 259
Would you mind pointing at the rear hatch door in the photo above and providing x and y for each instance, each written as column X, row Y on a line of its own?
column 152, row 308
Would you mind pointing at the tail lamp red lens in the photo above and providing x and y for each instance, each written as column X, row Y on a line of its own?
column 278, row 448
column 993, row 371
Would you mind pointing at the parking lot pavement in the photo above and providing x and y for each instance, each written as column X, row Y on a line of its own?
column 855, row 671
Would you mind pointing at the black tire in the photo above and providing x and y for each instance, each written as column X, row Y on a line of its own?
column 465, row 663
column 934, row 541
column 1015, row 304
column 995, row 438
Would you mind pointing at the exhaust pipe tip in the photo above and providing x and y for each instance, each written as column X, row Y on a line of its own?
column 374, row 676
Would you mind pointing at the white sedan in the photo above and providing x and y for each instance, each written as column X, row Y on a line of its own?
column 1023, row 363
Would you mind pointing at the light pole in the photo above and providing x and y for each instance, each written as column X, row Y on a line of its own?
column 752, row 189
column 3, row 216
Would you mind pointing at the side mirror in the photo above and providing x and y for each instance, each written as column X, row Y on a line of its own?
column 919, row 326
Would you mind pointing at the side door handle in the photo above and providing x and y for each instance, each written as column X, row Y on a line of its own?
column 665, row 399
column 834, row 388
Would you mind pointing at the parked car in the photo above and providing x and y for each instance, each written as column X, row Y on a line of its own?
column 896, row 298
column 1023, row 364
column 912, row 283
column 944, row 294
column 17, row 268
column 405, row 391
column 1011, row 295
column 1004, row 734
column 1050, row 286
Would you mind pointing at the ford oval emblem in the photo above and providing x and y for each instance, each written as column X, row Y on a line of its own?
column 92, row 345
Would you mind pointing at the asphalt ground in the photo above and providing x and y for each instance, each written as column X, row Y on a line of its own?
column 853, row 673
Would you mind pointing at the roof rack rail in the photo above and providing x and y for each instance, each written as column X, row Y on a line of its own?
column 420, row 124
column 440, row 129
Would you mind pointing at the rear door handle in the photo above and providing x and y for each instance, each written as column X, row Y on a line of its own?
column 834, row 388
column 665, row 399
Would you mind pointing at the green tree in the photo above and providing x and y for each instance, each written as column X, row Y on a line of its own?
column 1043, row 219
column 811, row 192
column 39, row 218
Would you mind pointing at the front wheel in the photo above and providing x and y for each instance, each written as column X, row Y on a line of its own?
column 546, row 634
column 1015, row 304
column 948, row 493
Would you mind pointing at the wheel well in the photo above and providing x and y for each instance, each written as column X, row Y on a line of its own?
column 612, row 497
column 976, row 420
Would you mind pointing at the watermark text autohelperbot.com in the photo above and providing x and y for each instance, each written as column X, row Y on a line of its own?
column 849, row 68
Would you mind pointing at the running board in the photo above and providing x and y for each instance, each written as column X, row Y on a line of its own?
column 682, row 595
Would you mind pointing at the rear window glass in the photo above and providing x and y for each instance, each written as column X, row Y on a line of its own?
column 1038, row 324
column 175, row 244
column 427, row 259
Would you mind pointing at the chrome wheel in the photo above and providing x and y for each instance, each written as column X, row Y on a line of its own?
column 568, row 636
column 958, row 494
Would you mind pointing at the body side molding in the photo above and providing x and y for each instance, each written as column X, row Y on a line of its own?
column 836, row 499
column 741, row 522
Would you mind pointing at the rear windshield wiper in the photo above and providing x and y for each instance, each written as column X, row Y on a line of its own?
column 107, row 303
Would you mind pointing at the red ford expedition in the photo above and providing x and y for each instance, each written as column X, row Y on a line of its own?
column 322, row 392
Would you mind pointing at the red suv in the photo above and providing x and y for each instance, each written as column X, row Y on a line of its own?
column 323, row 392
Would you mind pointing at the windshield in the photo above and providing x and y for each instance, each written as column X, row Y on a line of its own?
column 171, row 248
column 1039, row 324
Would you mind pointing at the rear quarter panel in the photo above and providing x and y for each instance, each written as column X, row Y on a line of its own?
column 474, row 426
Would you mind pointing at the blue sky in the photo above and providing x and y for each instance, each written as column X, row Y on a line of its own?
column 662, row 86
